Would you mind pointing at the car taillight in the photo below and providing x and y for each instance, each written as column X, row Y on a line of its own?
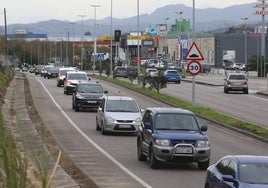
column 228, row 82
column 246, row 82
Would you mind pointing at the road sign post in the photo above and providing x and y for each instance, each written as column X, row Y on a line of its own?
column 194, row 67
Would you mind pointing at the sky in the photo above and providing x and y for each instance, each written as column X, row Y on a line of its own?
column 31, row 11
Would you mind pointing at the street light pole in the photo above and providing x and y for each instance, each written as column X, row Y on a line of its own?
column 166, row 46
column 95, row 47
column 138, row 30
column 111, row 48
column 82, row 40
column 179, row 37
column 245, row 27
column 73, row 42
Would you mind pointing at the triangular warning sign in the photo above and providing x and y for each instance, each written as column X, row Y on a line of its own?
column 194, row 53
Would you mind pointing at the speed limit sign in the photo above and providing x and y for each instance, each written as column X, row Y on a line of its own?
column 194, row 67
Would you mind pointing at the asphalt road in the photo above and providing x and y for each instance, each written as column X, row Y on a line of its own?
column 111, row 160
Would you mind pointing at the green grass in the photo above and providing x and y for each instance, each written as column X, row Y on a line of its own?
column 198, row 110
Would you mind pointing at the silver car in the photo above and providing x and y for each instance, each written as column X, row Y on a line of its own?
column 118, row 114
column 236, row 81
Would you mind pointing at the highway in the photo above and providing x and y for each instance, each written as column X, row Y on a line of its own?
column 111, row 160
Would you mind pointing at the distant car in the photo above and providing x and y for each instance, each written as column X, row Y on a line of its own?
column 151, row 72
column 72, row 79
column 238, row 171
column 236, row 82
column 17, row 69
column 52, row 72
column 118, row 114
column 45, row 69
column 172, row 135
column 172, row 76
column 120, row 71
column 87, row 95
column 236, row 66
column 62, row 73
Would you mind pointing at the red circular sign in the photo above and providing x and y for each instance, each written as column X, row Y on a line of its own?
column 194, row 67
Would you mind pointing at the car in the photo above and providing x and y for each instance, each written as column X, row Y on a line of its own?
column 120, row 71
column 236, row 81
column 52, row 72
column 118, row 114
column 236, row 66
column 62, row 73
column 87, row 95
column 238, row 171
column 151, row 72
column 72, row 78
column 172, row 76
column 45, row 69
column 172, row 135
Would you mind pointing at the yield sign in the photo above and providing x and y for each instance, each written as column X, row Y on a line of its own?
column 194, row 53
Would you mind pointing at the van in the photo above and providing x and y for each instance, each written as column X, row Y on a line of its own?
column 71, row 80
column 62, row 73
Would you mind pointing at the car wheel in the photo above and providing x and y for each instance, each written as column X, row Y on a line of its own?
column 203, row 165
column 141, row 156
column 207, row 186
column 246, row 91
column 179, row 82
column 103, row 132
column 154, row 163
column 97, row 126
column 73, row 105
column 225, row 90
column 76, row 108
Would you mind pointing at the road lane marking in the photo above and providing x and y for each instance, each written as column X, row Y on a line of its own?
column 142, row 182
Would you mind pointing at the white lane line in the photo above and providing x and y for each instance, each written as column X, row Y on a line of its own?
column 94, row 143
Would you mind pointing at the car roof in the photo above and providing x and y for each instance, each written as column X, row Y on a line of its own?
column 169, row 110
column 249, row 158
column 112, row 97
column 76, row 72
column 88, row 83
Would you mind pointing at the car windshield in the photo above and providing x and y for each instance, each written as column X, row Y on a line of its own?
column 121, row 106
column 77, row 77
column 63, row 72
column 87, row 88
column 176, row 122
column 236, row 77
column 253, row 173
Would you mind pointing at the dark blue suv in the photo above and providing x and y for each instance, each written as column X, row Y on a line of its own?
column 171, row 134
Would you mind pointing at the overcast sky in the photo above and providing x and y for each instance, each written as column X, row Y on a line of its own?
column 31, row 11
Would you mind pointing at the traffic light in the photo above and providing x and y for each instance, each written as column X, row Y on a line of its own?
column 117, row 35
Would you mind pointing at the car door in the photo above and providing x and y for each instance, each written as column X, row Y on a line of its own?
column 147, row 132
column 100, row 112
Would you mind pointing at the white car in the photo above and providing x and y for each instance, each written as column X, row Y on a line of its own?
column 118, row 114
column 151, row 72
column 71, row 80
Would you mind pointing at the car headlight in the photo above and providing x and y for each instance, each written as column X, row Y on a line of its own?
column 138, row 119
column 203, row 143
column 160, row 142
column 109, row 119
column 79, row 96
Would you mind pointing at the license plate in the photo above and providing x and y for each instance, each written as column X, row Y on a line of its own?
column 91, row 102
column 184, row 150
column 124, row 126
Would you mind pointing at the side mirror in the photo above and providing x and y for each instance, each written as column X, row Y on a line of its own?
column 147, row 125
column 204, row 128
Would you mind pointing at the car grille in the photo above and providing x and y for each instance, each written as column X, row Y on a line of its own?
column 175, row 142
column 124, row 121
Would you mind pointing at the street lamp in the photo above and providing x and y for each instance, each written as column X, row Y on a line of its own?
column 95, row 47
column 82, row 39
column 166, row 46
column 111, row 48
column 179, row 35
column 138, row 30
column 245, row 27
column 73, row 42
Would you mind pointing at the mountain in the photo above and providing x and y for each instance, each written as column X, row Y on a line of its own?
column 208, row 19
